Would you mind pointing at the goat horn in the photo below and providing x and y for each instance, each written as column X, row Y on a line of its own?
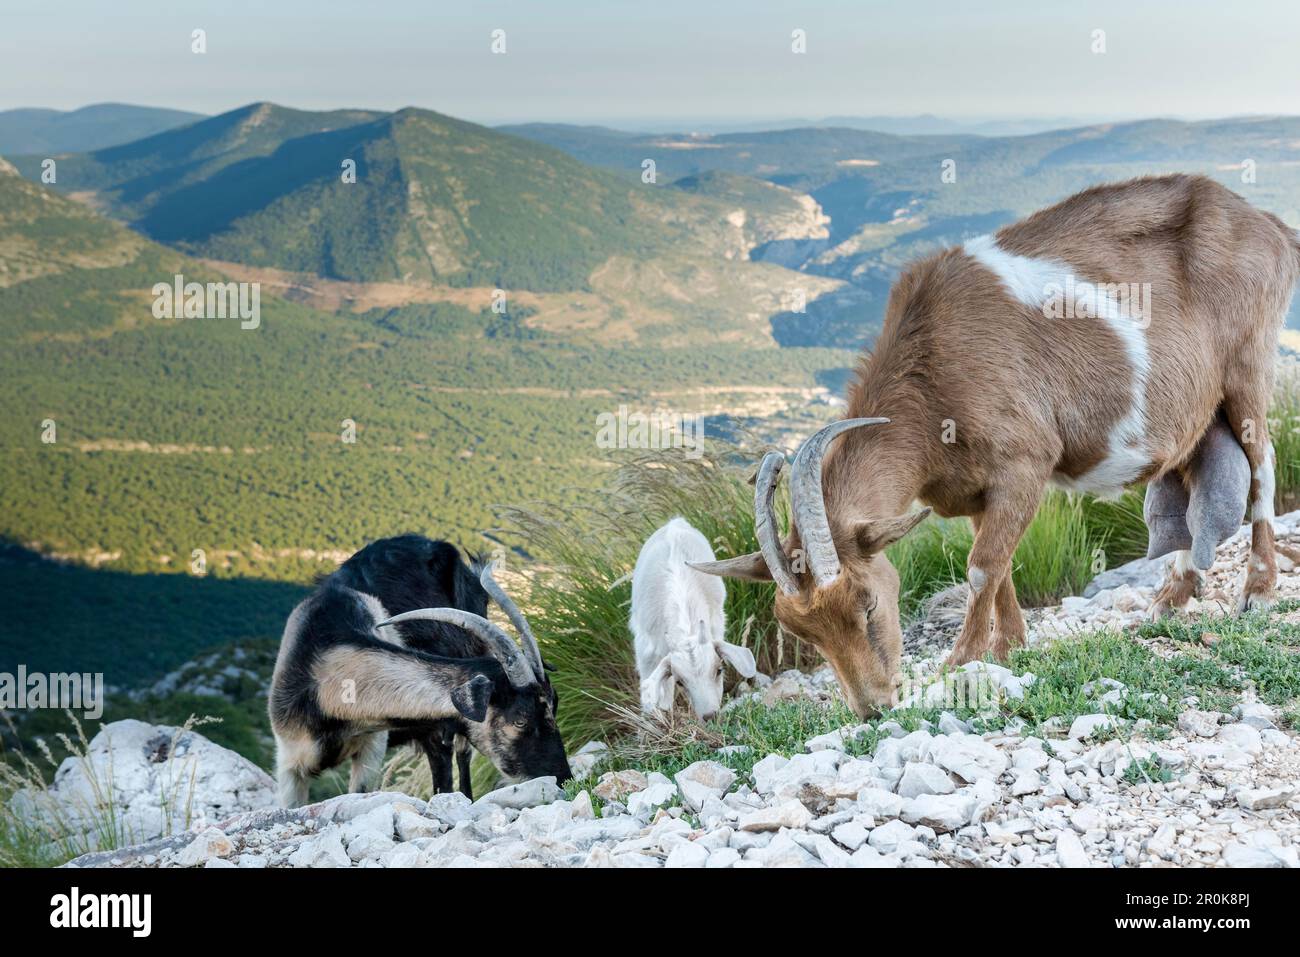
column 809, row 502
column 517, row 669
column 531, row 651
column 769, row 474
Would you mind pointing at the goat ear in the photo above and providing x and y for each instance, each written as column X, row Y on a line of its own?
column 471, row 698
column 751, row 567
column 742, row 659
column 658, row 687
column 877, row 534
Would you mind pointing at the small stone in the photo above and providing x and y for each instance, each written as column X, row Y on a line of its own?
column 943, row 812
column 617, row 785
column 723, row 857
column 867, row 856
column 1029, row 759
column 450, row 808
column 210, row 842
column 1162, row 842
column 888, row 837
column 968, row 756
column 1026, row 782
column 919, row 778
column 369, row 845
column 782, row 851
column 836, row 740
column 1000, row 834
column 827, row 851
column 851, row 834
column 879, row 803
column 1203, row 724
column 1089, row 725
column 687, row 854
column 1256, row 714
column 658, row 792
column 1260, row 799
column 400, row 855
column 950, row 724
column 324, row 850
column 765, row 772
column 588, row 756
column 703, row 780
column 1069, row 850
column 1087, row 819
column 1243, row 737
column 542, row 790
column 1273, row 738
column 411, row 826
column 786, row 814
column 1244, row 855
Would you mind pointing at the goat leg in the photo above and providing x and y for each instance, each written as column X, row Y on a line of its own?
column 439, row 764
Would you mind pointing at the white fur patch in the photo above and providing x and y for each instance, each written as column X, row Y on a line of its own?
column 377, row 610
column 1262, row 508
column 977, row 578
column 1036, row 281
column 1183, row 564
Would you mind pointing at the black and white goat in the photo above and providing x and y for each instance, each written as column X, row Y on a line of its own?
column 408, row 572
column 345, row 677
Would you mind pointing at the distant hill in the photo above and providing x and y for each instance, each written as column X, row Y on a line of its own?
column 890, row 203
column 435, row 199
column 796, row 157
column 90, row 128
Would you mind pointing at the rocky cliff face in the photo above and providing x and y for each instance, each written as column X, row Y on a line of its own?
column 138, row 782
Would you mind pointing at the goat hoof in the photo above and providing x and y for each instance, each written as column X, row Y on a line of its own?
column 1256, row 601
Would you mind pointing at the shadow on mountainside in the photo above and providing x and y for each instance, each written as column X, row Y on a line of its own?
column 133, row 628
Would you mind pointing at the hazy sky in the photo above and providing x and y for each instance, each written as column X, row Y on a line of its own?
column 661, row 59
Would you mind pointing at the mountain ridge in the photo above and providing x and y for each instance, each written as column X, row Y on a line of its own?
column 95, row 126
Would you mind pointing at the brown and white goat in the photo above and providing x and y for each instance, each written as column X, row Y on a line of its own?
column 1023, row 359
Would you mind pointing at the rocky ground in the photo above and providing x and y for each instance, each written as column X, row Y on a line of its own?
column 1215, row 788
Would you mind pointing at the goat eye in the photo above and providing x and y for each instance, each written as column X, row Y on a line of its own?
column 521, row 723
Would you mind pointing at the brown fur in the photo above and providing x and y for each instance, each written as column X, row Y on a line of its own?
column 1033, row 398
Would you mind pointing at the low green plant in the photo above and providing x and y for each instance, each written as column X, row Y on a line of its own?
column 1148, row 770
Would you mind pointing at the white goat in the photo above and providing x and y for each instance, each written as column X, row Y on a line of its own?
column 678, row 622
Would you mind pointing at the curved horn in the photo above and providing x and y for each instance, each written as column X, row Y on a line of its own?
column 809, row 503
column 769, row 542
column 531, row 651
column 517, row 669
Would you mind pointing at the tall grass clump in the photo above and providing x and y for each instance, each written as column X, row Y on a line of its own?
column 1284, row 430
column 1057, row 553
column 40, row 829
